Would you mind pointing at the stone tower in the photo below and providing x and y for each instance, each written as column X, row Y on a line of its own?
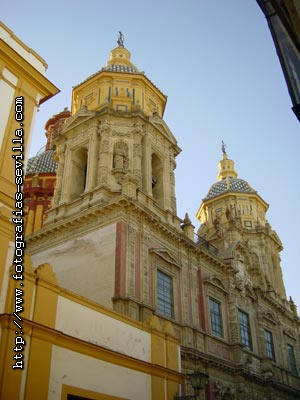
column 233, row 218
column 115, row 178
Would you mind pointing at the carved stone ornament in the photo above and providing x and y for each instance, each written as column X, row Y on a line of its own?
column 225, row 390
column 120, row 160
column 138, row 129
column 137, row 150
column 241, row 280
column 251, row 363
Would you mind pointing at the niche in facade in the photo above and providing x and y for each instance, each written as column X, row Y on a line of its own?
column 120, row 159
column 157, row 179
column 78, row 173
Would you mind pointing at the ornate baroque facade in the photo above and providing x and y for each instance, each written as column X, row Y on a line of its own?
column 113, row 237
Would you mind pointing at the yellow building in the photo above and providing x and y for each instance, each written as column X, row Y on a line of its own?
column 72, row 348
column 23, row 87
column 114, row 239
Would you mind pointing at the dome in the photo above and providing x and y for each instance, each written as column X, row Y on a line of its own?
column 229, row 185
column 42, row 163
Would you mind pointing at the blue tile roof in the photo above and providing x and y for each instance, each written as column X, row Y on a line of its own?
column 235, row 185
column 41, row 163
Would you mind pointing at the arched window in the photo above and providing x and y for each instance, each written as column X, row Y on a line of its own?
column 78, row 173
column 157, row 180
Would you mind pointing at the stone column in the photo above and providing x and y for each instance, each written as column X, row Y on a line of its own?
column 147, row 168
column 59, row 175
column 166, row 184
column 137, row 153
column 172, row 184
column 66, row 174
column 103, row 167
column 92, row 158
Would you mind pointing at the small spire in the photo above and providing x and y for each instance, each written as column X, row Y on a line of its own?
column 226, row 167
column 187, row 220
column 121, row 39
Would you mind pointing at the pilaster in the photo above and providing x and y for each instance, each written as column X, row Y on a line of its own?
column 66, row 176
column 104, row 131
column 39, row 364
column 147, row 178
column 92, row 158
column 137, row 153
column 60, row 158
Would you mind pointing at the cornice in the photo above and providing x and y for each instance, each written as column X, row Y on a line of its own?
column 283, row 309
column 21, row 67
column 61, row 339
column 210, row 360
column 88, row 219
column 207, row 359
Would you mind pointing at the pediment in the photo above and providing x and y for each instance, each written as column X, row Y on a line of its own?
column 164, row 129
column 288, row 332
column 268, row 315
column 82, row 115
column 276, row 239
column 216, row 282
column 250, row 293
column 165, row 255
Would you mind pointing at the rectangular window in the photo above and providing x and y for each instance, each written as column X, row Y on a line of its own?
column 292, row 359
column 215, row 317
column 165, row 295
column 121, row 107
column 269, row 345
column 245, row 330
column 248, row 224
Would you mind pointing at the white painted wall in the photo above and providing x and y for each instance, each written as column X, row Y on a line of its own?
column 86, row 264
column 74, row 369
column 84, row 323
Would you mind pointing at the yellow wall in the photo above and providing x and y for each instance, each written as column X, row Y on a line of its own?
column 23, row 86
column 72, row 363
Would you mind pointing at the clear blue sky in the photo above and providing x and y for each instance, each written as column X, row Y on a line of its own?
column 216, row 62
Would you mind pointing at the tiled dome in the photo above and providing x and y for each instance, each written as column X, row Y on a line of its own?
column 42, row 163
column 233, row 185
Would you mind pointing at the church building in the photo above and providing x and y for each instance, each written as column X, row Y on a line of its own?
column 114, row 239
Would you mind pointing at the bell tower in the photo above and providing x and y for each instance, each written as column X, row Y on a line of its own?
column 115, row 187
column 233, row 218
column 116, row 135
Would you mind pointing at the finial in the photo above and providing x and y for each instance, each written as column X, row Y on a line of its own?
column 187, row 220
column 223, row 147
column 120, row 40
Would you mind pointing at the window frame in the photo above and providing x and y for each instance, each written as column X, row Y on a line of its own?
column 216, row 327
column 162, row 302
column 245, row 330
column 292, row 359
column 269, row 342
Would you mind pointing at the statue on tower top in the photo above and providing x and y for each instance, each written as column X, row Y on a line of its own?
column 223, row 147
column 120, row 40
